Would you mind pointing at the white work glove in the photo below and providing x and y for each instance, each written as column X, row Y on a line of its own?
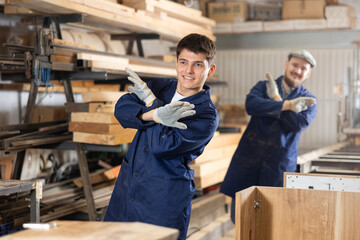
column 301, row 103
column 169, row 114
column 271, row 87
column 140, row 88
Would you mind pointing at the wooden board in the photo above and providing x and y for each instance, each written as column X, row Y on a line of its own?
column 105, row 20
column 103, row 96
column 207, row 168
column 215, row 154
column 98, row 177
column 103, row 58
column 95, row 230
column 210, row 179
column 285, row 213
column 105, row 118
column 206, row 209
column 89, row 107
column 104, row 139
column 100, row 128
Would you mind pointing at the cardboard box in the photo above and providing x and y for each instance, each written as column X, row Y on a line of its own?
column 296, row 9
column 309, row 24
column 223, row 12
column 339, row 11
column 341, row 23
column 271, row 213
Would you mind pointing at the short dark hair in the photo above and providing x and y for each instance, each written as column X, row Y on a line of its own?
column 197, row 43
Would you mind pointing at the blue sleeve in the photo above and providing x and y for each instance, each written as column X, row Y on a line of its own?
column 169, row 143
column 260, row 105
column 129, row 107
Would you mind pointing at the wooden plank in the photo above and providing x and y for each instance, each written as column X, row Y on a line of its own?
column 90, row 107
column 77, row 45
column 214, row 230
column 108, row 6
column 106, row 118
column 211, row 179
column 108, row 66
column 206, row 209
column 98, row 17
column 103, row 96
column 62, row 59
column 210, row 167
column 95, row 230
column 102, row 176
column 103, row 139
column 103, row 58
column 216, row 153
column 223, row 140
column 100, row 128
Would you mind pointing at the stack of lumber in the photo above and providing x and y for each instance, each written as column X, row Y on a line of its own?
column 68, row 56
column 60, row 198
column 211, row 166
column 117, row 64
column 209, row 219
column 93, row 120
column 107, row 16
column 17, row 137
column 174, row 14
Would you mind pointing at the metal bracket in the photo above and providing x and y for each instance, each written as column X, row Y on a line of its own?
column 257, row 204
column 135, row 37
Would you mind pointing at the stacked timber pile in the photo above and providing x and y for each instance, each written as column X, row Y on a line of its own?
column 116, row 64
column 60, row 198
column 211, row 166
column 156, row 16
column 209, row 219
column 93, row 120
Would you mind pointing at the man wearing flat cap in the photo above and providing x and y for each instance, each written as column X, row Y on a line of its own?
column 280, row 110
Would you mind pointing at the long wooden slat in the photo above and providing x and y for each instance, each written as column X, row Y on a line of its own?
column 109, row 21
column 103, row 96
column 101, row 176
column 103, row 139
column 99, row 128
column 210, row 167
column 211, row 179
column 216, row 153
column 109, row 66
column 105, row 118
column 103, row 58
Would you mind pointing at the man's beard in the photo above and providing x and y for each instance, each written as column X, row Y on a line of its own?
column 291, row 84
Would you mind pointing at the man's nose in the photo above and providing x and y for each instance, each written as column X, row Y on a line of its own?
column 189, row 68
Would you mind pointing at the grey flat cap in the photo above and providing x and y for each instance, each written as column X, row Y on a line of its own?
column 304, row 54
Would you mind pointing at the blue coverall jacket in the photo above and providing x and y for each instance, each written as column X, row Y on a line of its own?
column 155, row 184
column 269, row 145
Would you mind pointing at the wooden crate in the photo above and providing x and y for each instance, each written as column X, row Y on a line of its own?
column 270, row 213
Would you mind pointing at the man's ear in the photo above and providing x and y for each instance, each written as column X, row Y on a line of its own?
column 212, row 70
column 308, row 74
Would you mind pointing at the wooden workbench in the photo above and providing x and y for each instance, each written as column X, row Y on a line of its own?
column 77, row 230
